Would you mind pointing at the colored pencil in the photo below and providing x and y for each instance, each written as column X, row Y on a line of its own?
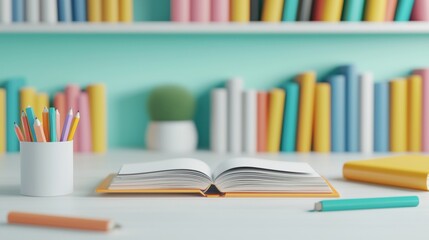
column 73, row 126
column 46, row 124
column 58, row 122
column 67, row 124
column 18, row 132
column 31, row 117
column 52, row 126
column 39, row 131
column 25, row 127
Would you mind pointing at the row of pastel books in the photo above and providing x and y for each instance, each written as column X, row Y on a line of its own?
column 346, row 113
column 298, row 10
column 90, row 136
column 53, row 11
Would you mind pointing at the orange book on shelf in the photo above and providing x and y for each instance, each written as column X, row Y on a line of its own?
column 262, row 121
column 318, row 6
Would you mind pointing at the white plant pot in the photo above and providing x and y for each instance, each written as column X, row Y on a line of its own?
column 172, row 136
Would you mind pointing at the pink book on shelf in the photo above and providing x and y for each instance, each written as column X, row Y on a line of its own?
column 60, row 104
column 72, row 95
column 391, row 10
column 84, row 128
column 220, row 10
column 420, row 10
column 200, row 10
column 180, row 10
column 424, row 73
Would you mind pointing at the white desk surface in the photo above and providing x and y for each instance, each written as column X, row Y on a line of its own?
column 189, row 217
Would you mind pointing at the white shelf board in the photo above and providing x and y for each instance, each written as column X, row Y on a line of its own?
column 221, row 28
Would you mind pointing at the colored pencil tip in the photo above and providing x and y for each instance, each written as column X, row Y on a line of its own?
column 77, row 115
column 45, row 109
column 71, row 111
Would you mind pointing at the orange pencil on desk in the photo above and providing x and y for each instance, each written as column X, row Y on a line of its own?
column 46, row 123
column 61, row 221
column 25, row 127
column 73, row 126
column 40, row 135
column 18, row 132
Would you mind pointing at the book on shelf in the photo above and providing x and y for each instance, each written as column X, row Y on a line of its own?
column 236, row 177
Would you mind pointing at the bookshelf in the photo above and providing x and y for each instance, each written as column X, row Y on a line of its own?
column 216, row 28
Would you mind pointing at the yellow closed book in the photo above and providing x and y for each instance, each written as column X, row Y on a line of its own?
column 415, row 97
column 375, row 10
column 332, row 10
column 126, row 10
column 275, row 119
column 27, row 97
column 401, row 171
column 98, row 115
column 110, row 10
column 398, row 115
column 42, row 101
column 322, row 118
column 2, row 120
column 94, row 10
column 272, row 10
column 307, row 82
column 240, row 10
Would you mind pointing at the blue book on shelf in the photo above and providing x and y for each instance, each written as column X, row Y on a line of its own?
column 352, row 107
column 64, row 10
column 290, row 11
column 290, row 119
column 18, row 10
column 13, row 113
column 338, row 113
column 353, row 10
column 381, row 117
column 403, row 10
column 79, row 10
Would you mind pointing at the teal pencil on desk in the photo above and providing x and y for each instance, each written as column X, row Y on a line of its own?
column 31, row 118
column 52, row 124
column 366, row 203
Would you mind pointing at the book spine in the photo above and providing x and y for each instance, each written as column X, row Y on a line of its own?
column 27, row 97
column 234, row 87
column 18, row 10
column 64, row 10
column 307, row 83
column 79, row 10
column 110, row 11
column 200, row 10
column 48, row 11
column 414, row 88
column 375, row 10
column 255, row 10
column 304, row 10
column 338, row 113
column 272, row 11
column 403, row 10
column 84, row 129
column 353, row 10
column 180, row 10
column 126, row 10
column 13, row 112
column 98, row 116
column 381, row 122
column 391, row 10
column 219, row 121
column 220, row 11
column 366, row 82
column 72, row 96
column 398, row 115
column 94, row 10
column 322, row 118
column 317, row 11
column 32, row 12
column 5, row 11
column 332, row 10
column 262, row 121
column 290, row 11
column 424, row 74
column 420, row 10
column 60, row 104
column 240, row 10
column 2, row 121
column 41, row 101
column 290, row 118
column 275, row 119
column 249, row 121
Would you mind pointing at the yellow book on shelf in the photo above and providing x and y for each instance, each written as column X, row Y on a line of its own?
column 322, row 118
column 307, row 82
column 332, row 10
column 97, row 106
column 401, row 171
column 275, row 119
column 272, row 11
column 126, row 10
column 42, row 101
column 27, row 97
column 240, row 10
column 375, row 10
column 110, row 10
column 2, row 120
column 94, row 10
column 398, row 115
column 415, row 97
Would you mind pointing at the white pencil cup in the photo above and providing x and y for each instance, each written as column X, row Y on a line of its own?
column 46, row 168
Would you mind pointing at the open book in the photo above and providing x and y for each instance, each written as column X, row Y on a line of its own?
column 234, row 177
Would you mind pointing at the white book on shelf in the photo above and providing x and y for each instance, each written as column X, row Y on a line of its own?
column 234, row 87
column 32, row 11
column 49, row 11
column 366, row 82
column 5, row 11
column 249, row 121
column 219, row 121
